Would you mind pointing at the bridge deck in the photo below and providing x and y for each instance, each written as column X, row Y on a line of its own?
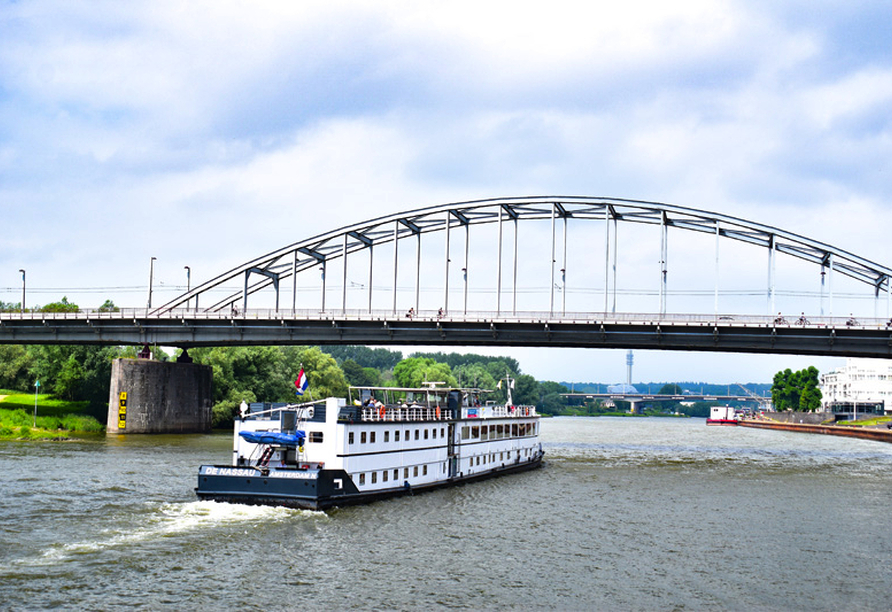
column 835, row 336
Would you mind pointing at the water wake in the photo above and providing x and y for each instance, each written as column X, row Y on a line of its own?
column 166, row 520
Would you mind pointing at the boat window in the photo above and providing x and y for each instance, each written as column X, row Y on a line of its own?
column 484, row 432
column 396, row 474
column 405, row 472
column 426, row 433
column 464, row 433
column 514, row 429
column 371, row 437
column 415, row 471
column 374, row 477
column 362, row 479
column 316, row 436
column 384, row 475
column 387, row 436
column 424, row 470
column 442, row 432
column 417, row 434
column 434, row 433
column 350, row 438
column 475, row 432
column 362, row 437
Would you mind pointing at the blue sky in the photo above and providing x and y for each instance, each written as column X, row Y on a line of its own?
column 207, row 133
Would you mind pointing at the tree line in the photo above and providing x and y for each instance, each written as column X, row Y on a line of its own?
column 267, row 373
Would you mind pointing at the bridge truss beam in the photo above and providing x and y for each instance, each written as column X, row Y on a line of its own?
column 316, row 252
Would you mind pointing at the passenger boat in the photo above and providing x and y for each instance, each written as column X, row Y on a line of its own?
column 381, row 443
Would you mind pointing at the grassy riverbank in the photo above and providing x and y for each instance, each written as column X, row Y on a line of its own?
column 55, row 418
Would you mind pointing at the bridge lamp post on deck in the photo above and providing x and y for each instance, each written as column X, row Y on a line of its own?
column 188, row 281
column 23, row 290
column 151, row 274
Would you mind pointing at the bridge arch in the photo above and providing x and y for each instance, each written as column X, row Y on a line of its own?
column 233, row 288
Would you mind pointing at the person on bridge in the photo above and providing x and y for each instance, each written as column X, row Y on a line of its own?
column 411, row 313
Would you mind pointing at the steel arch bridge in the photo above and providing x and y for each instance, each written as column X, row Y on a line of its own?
column 271, row 269
column 223, row 310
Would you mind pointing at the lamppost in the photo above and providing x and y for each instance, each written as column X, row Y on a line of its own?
column 23, row 290
column 36, row 390
column 151, row 273
column 188, row 282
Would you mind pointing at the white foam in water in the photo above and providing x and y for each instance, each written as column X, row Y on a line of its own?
column 170, row 519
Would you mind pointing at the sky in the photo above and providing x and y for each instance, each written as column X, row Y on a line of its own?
column 207, row 133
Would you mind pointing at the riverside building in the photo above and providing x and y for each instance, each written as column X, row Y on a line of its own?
column 861, row 387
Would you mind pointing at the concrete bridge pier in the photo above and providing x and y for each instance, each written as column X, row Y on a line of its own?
column 159, row 397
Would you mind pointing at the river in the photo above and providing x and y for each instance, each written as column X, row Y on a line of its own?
column 627, row 514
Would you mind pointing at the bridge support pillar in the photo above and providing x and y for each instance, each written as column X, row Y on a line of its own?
column 634, row 407
column 159, row 397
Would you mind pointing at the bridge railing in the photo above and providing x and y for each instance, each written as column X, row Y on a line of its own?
column 433, row 316
column 474, row 316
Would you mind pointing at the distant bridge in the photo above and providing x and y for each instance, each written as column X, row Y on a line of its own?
column 637, row 398
column 484, row 301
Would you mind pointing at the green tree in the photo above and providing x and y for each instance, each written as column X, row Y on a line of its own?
column 526, row 390
column 551, row 401
column 108, row 306
column 15, row 364
column 454, row 360
column 380, row 358
column 359, row 376
column 75, row 373
column 63, row 306
column 414, row 371
column 473, row 375
column 796, row 390
column 326, row 378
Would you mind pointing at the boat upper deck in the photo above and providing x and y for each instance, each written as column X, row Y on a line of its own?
column 430, row 403
column 426, row 413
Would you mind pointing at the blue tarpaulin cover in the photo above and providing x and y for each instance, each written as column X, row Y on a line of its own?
column 274, row 437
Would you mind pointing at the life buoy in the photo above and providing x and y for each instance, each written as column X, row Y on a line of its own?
column 438, row 413
column 381, row 412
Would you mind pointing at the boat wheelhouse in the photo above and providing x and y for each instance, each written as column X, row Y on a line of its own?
column 383, row 442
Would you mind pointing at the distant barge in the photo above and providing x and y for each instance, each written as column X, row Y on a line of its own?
column 879, row 435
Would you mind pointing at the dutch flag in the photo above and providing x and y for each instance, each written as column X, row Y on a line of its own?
column 302, row 382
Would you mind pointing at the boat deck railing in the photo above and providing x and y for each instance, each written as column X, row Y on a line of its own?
column 424, row 413
column 400, row 413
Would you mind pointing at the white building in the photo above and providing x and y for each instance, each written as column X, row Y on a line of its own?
column 862, row 386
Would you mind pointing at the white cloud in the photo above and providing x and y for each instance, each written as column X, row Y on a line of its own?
column 208, row 133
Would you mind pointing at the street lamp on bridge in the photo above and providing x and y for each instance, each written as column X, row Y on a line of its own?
column 188, row 281
column 151, row 273
column 23, row 290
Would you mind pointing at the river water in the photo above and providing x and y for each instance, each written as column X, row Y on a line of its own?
column 627, row 514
